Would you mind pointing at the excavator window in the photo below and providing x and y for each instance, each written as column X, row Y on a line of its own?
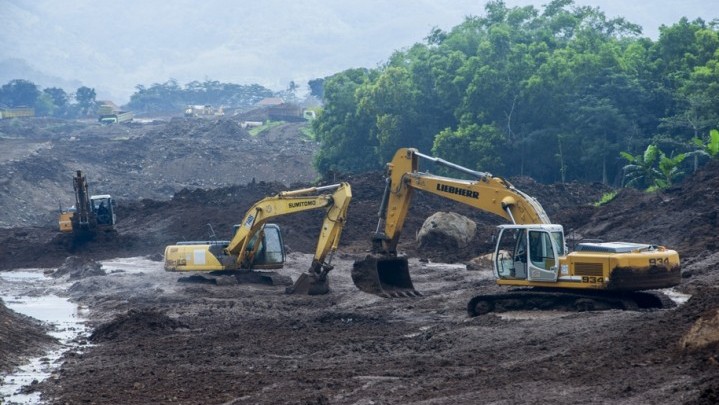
column 271, row 250
column 528, row 254
column 541, row 252
column 274, row 253
column 511, row 254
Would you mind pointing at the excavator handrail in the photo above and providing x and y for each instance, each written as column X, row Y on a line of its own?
column 442, row 162
column 485, row 176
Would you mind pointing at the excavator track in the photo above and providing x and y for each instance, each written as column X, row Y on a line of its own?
column 230, row 277
column 566, row 300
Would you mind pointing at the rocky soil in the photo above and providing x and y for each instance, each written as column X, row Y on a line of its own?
column 156, row 340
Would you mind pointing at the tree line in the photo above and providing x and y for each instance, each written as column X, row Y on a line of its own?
column 156, row 98
column 171, row 96
column 560, row 93
column 48, row 102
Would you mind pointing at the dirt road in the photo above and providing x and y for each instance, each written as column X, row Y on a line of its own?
column 160, row 341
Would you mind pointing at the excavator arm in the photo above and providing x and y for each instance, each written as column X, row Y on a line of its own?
column 314, row 281
column 486, row 193
column 383, row 272
column 287, row 203
column 240, row 253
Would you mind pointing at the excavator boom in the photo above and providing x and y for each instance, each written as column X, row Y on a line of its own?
column 258, row 245
column 383, row 272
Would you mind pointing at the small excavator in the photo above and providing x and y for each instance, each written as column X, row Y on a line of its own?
column 530, row 254
column 258, row 245
column 90, row 214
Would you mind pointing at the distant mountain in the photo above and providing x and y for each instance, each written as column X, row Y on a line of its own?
column 11, row 69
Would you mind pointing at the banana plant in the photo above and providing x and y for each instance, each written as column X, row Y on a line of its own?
column 711, row 148
column 653, row 169
column 669, row 168
column 640, row 172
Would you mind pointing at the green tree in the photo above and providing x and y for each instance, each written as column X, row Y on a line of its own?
column 172, row 97
column 44, row 105
column 669, row 168
column 19, row 93
column 59, row 99
column 317, row 87
column 640, row 171
column 85, row 98
column 483, row 143
column 554, row 94
column 390, row 101
column 342, row 129
column 710, row 148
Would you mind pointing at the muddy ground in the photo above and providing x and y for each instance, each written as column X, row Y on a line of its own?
column 156, row 340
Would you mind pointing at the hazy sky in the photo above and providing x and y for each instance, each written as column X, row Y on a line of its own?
column 115, row 45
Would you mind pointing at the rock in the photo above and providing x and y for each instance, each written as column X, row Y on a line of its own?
column 446, row 230
column 703, row 333
column 77, row 267
column 483, row 262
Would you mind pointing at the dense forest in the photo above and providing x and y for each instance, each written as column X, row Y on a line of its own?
column 558, row 94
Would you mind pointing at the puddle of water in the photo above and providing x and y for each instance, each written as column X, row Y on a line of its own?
column 64, row 317
column 676, row 296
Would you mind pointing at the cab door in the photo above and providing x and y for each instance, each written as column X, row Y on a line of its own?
column 270, row 254
column 543, row 259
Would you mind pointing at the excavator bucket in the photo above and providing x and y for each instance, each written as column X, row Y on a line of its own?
column 310, row 284
column 384, row 276
column 314, row 281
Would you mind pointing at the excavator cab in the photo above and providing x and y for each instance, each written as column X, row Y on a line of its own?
column 104, row 208
column 528, row 252
column 268, row 248
column 265, row 251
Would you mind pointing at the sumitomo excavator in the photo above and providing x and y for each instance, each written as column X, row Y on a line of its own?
column 257, row 245
column 530, row 254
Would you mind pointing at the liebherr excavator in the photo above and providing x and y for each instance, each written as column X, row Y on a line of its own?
column 531, row 252
column 258, row 245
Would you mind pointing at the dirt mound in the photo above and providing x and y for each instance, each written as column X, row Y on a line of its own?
column 77, row 267
column 136, row 322
column 684, row 218
column 204, row 207
column 139, row 160
column 20, row 337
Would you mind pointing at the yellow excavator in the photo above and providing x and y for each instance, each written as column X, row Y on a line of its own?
column 90, row 214
column 530, row 254
column 257, row 245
